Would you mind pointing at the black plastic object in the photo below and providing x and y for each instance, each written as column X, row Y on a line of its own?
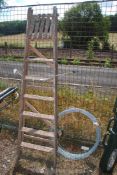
column 109, row 157
column 6, row 93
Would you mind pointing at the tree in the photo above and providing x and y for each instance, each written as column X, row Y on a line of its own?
column 82, row 23
column 12, row 27
column 113, row 19
column 2, row 3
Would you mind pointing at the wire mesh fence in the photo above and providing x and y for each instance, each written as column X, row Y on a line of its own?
column 87, row 58
column 84, row 39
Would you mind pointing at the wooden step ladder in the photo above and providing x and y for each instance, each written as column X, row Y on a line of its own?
column 42, row 26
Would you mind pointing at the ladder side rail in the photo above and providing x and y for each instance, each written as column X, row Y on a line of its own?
column 55, row 82
column 25, row 71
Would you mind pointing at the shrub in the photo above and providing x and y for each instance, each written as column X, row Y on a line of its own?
column 90, row 52
column 12, row 27
column 107, row 62
column 76, row 61
column 106, row 46
column 96, row 43
column 64, row 61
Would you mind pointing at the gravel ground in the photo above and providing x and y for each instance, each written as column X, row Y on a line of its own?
column 7, row 154
column 8, row 149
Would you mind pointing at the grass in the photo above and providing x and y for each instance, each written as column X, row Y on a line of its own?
column 73, row 124
column 76, row 127
column 12, row 40
column 11, row 58
column 18, row 40
column 2, row 85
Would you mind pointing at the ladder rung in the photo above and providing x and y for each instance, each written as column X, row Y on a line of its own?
column 33, row 78
column 38, row 115
column 36, row 147
column 33, row 170
column 37, row 97
column 44, row 60
column 35, row 132
column 38, row 139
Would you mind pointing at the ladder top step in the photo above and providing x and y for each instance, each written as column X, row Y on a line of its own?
column 34, row 78
column 36, row 147
column 35, row 132
column 40, row 60
column 37, row 97
column 38, row 115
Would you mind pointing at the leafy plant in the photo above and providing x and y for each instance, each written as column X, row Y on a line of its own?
column 64, row 61
column 90, row 52
column 76, row 61
column 107, row 62
column 96, row 43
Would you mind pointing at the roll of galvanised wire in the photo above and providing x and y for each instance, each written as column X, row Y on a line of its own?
column 85, row 154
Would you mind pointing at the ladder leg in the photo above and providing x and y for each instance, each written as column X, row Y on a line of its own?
column 23, row 84
column 55, row 84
